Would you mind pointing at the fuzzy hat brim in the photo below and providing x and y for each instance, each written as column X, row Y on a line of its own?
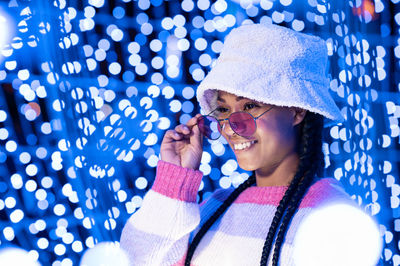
column 285, row 70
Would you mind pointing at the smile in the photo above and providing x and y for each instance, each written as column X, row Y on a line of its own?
column 242, row 146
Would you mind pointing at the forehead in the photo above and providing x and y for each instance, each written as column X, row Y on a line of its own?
column 223, row 96
column 226, row 97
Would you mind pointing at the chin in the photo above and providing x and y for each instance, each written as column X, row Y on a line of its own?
column 247, row 166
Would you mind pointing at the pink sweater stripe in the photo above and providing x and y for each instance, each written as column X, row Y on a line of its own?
column 273, row 195
column 177, row 182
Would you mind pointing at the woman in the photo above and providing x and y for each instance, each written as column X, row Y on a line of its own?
column 267, row 94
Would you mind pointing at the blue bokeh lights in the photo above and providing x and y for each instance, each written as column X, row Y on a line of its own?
column 88, row 90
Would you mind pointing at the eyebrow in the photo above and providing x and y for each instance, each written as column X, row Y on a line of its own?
column 238, row 98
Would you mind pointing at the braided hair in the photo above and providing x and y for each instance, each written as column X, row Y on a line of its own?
column 311, row 162
column 221, row 209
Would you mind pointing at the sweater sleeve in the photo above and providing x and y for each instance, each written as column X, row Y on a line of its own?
column 158, row 233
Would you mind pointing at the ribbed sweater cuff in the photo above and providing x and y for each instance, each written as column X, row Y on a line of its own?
column 177, row 182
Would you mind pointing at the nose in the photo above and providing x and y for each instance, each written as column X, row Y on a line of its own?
column 226, row 128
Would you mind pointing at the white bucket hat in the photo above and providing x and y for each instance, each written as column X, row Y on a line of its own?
column 274, row 65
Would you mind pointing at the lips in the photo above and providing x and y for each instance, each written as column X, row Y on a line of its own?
column 243, row 145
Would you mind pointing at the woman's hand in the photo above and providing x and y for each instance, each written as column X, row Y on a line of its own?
column 183, row 145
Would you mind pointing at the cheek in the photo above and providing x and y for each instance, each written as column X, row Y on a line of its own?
column 275, row 132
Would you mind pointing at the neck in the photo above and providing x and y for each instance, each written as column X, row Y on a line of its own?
column 279, row 174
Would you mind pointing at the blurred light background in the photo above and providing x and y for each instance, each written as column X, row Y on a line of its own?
column 88, row 88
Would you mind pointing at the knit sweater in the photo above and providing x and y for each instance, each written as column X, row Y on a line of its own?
column 159, row 232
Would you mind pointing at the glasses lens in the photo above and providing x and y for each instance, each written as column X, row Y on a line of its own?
column 242, row 123
column 208, row 126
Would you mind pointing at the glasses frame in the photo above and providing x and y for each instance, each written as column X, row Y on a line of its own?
column 222, row 126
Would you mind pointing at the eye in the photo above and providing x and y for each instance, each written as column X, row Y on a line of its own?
column 249, row 106
column 221, row 110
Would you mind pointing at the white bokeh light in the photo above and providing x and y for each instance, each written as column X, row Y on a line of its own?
column 17, row 256
column 4, row 31
column 105, row 253
column 338, row 234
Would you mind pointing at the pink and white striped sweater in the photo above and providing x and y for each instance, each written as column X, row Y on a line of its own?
column 159, row 232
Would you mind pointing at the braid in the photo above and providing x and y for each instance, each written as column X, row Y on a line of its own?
column 310, row 162
column 277, row 218
column 221, row 209
column 294, row 203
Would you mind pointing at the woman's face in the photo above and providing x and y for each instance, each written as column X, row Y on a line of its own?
column 272, row 142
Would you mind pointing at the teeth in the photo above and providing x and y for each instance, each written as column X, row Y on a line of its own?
column 244, row 145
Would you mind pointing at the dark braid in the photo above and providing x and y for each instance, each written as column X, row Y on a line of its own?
column 311, row 160
column 294, row 203
column 278, row 216
column 221, row 209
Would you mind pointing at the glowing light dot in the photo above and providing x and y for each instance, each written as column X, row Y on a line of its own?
column 119, row 12
column 141, row 69
column 183, row 44
column 46, row 128
column 180, row 32
column 77, row 246
column 187, row 5
column 155, row 45
column 298, row 25
column 198, row 74
column 9, row 234
column 31, row 170
column 16, row 216
column 16, row 181
column 11, row 146
column 59, row 249
column 198, row 22
column 187, row 107
column 43, row 204
column 188, row 93
column 3, row 116
column 100, row 55
column 16, row 256
column 105, row 253
column 40, row 225
column 146, row 28
column 41, row 194
column 23, row 74
column 203, row 4
column 117, row 35
column 225, row 182
column 217, row 46
column 59, row 209
column 30, row 185
column 10, row 202
column 205, row 60
column 218, row 148
column 277, row 17
column 43, row 243
column 114, row 68
column 11, row 65
column 351, row 233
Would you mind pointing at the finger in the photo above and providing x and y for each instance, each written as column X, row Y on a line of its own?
column 183, row 129
column 193, row 121
column 172, row 134
column 196, row 136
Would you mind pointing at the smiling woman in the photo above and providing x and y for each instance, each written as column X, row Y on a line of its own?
column 267, row 96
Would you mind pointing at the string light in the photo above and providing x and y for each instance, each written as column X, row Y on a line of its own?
column 88, row 92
